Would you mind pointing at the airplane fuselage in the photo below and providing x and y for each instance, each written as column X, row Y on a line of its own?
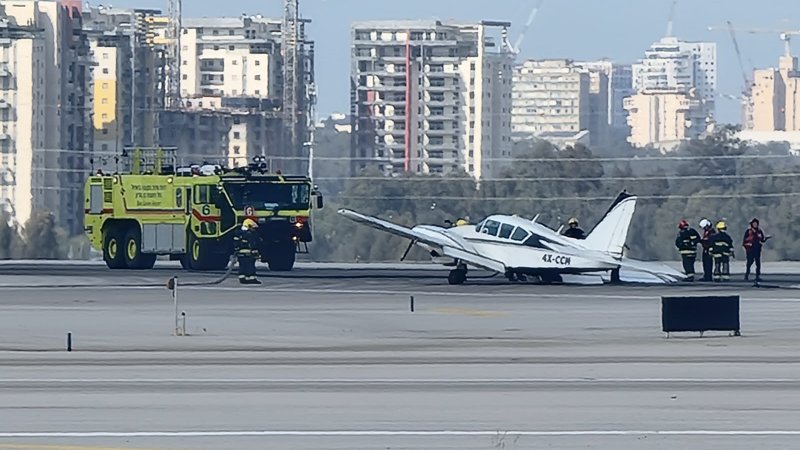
column 522, row 256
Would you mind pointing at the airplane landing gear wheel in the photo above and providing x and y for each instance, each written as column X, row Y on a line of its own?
column 457, row 276
column 615, row 276
column 551, row 279
column 516, row 277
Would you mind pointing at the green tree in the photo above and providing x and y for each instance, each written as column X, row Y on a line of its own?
column 42, row 238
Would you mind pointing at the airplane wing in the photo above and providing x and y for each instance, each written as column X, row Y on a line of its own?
column 661, row 271
column 435, row 238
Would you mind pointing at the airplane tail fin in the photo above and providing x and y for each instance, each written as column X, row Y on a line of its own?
column 610, row 233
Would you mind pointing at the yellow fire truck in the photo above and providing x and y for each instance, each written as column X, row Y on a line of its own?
column 156, row 208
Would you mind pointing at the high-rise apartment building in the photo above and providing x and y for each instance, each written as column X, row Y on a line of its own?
column 674, row 65
column 776, row 97
column 620, row 86
column 552, row 100
column 431, row 97
column 663, row 118
column 46, row 130
column 232, row 93
column 231, row 57
column 128, row 78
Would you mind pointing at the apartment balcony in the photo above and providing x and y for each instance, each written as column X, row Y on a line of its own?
column 441, row 133
column 446, row 88
column 446, row 102
column 443, row 147
column 383, row 88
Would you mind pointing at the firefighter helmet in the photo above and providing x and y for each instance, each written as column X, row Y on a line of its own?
column 250, row 224
column 573, row 221
column 683, row 224
column 721, row 226
column 705, row 223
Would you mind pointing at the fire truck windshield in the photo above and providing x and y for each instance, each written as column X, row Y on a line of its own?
column 269, row 196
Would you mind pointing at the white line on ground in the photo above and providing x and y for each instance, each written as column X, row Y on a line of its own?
column 393, row 380
column 388, row 433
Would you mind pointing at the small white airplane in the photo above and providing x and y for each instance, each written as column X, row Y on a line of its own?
column 518, row 248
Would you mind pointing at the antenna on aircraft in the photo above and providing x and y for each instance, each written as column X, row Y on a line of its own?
column 536, row 218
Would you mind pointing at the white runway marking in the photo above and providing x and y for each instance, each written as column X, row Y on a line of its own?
column 389, row 433
column 393, row 380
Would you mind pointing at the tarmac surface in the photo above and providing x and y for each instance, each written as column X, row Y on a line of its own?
column 333, row 357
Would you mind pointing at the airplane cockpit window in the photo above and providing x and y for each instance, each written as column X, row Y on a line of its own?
column 519, row 235
column 505, row 231
column 491, row 227
column 479, row 226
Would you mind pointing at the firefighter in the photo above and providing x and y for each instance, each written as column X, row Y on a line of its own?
column 245, row 243
column 461, row 222
column 722, row 252
column 574, row 231
column 752, row 242
column 706, row 241
column 686, row 242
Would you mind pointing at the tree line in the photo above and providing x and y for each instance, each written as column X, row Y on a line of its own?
column 717, row 177
column 40, row 238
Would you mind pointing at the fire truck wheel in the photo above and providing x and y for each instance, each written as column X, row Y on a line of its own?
column 112, row 249
column 134, row 258
column 282, row 258
column 201, row 255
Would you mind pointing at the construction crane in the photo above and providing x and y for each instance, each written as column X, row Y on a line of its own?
column 518, row 43
column 747, row 83
column 785, row 35
column 173, row 54
column 671, row 19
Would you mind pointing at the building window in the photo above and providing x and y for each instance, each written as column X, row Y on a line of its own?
column 235, row 62
column 105, row 116
column 236, row 149
column 258, row 92
column 105, row 85
column 231, row 48
column 104, row 101
column 105, row 130
column 105, row 55
column 258, row 77
column 105, row 70
column 237, row 135
column 258, row 63
column 185, row 77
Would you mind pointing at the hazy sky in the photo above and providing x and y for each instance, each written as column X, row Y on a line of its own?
column 579, row 29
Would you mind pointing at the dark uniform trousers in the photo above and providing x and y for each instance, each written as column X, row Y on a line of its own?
column 753, row 256
column 708, row 265
column 722, row 250
column 708, row 260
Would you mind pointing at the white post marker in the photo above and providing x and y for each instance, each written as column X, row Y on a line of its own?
column 172, row 284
